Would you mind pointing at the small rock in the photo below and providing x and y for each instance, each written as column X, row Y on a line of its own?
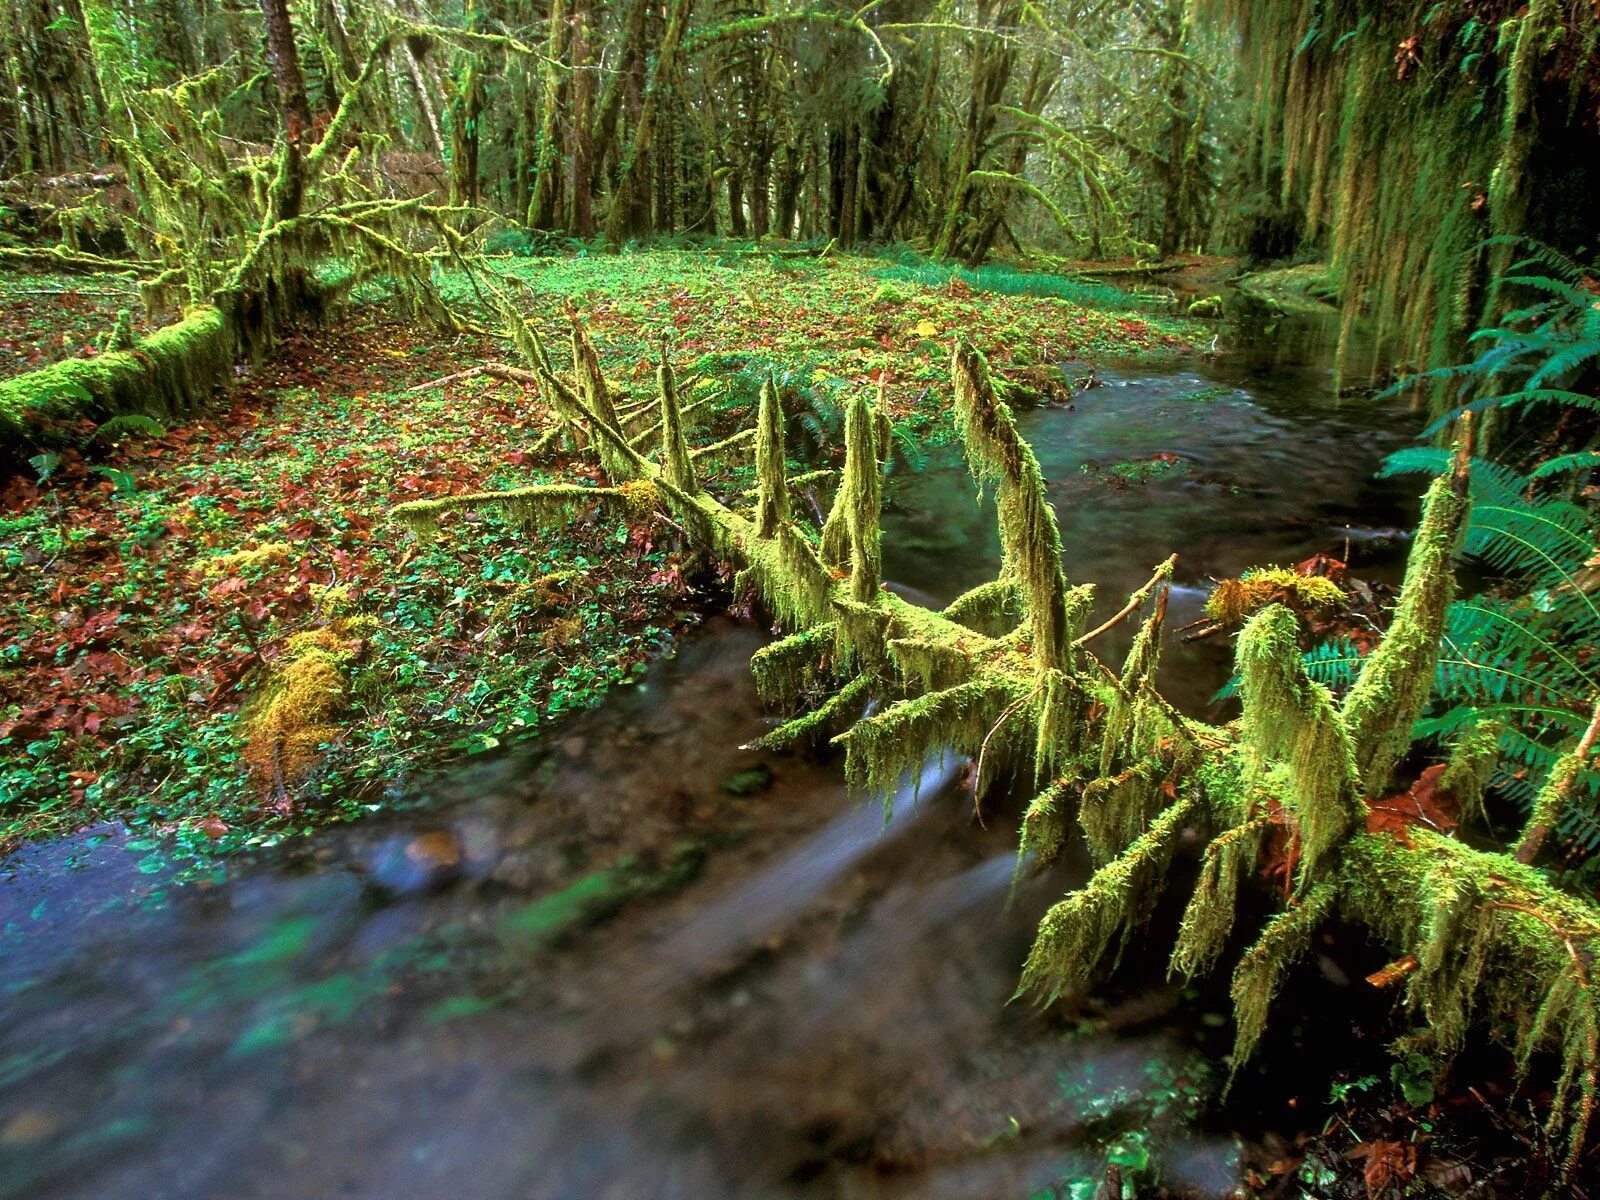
column 417, row 864
column 29, row 1125
column 747, row 783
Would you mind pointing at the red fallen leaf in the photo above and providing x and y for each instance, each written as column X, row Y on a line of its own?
column 1280, row 849
column 1424, row 803
column 1324, row 566
column 1389, row 1164
column 517, row 457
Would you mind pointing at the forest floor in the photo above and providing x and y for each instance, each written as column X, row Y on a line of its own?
column 156, row 592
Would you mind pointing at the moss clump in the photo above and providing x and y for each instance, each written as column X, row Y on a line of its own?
column 258, row 558
column 1234, row 601
column 295, row 714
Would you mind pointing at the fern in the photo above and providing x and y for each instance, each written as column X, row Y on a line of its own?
column 1523, row 651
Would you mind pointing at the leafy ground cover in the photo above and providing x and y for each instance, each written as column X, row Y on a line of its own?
column 211, row 632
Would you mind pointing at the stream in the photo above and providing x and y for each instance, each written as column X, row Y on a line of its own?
column 634, row 961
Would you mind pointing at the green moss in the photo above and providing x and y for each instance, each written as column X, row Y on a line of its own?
column 1078, row 932
column 1289, row 719
column 172, row 371
column 677, row 464
column 538, row 506
column 992, row 608
column 1256, row 979
column 882, row 748
column 1397, row 678
column 862, row 495
column 1029, row 537
column 772, row 498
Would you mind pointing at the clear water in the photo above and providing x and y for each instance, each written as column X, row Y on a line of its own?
column 392, row 1010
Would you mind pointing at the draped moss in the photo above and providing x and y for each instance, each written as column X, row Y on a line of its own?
column 1396, row 138
column 1006, row 677
column 1397, row 678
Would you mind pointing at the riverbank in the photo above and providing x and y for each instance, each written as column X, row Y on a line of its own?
column 156, row 582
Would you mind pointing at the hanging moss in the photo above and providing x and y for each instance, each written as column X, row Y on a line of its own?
column 1282, row 943
column 1474, row 754
column 1290, row 719
column 1133, row 724
column 882, row 748
column 839, row 709
column 992, row 608
column 1395, row 138
column 1116, row 809
column 931, row 666
column 1397, row 678
column 1209, row 916
column 1077, row 933
column 785, row 669
column 1046, row 822
column 1029, row 537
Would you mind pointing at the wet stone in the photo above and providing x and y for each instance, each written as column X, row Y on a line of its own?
column 408, row 866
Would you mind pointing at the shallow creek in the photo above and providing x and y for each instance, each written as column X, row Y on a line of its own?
column 637, row 961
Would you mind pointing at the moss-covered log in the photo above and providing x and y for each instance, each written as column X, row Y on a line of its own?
column 166, row 373
column 1005, row 677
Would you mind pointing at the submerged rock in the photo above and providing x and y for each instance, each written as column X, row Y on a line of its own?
column 408, row 866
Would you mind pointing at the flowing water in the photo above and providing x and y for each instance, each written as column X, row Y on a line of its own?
column 638, row 961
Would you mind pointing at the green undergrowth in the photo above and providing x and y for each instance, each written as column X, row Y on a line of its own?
column 1006, row 280
column 141, row 616
column 174, row 598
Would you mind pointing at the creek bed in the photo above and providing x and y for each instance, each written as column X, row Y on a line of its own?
column 638, row 961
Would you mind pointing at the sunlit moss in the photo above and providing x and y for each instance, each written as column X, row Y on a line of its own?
column 1397, row 678
column 1290, row 719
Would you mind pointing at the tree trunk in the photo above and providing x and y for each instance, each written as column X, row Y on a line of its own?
column 294, row 110
column 621, row 221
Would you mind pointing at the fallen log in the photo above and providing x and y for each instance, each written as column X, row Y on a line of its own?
column 167, row 373
column 1004, row 676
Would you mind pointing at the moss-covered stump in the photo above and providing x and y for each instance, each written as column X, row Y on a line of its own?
column 167, row 373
